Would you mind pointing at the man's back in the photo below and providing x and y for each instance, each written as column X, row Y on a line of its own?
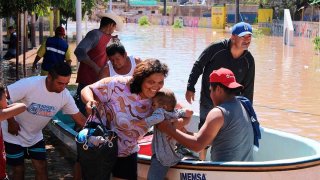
column 234, row 141
column 55, row 52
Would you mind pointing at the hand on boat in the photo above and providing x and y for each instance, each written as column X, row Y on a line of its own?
column 189, row 96
column 13, row 127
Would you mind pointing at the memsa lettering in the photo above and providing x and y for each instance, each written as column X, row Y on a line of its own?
column 192, row 176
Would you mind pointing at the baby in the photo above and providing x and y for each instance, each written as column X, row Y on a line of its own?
column 164, row 147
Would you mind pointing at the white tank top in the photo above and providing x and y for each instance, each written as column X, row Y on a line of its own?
column 114, row 73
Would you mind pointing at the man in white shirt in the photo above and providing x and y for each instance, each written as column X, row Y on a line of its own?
column 44, row 96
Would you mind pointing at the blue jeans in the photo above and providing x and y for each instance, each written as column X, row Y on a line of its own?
column 157, row 171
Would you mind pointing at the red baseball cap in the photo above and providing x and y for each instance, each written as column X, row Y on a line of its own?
column 60, row 31
column 225, row 77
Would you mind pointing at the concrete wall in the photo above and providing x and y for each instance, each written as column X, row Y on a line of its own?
column 301, row 28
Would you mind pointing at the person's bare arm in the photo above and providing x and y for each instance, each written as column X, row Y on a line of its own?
column 200, row 140
column 104, row 72
column 92, row 64
column 86, row 44
column 13, row 125
column 182, row 122
column 79, row 118
column 188, row 113
column 68, row 56
column 12, row 110
column 35, row 62
column 88, row 96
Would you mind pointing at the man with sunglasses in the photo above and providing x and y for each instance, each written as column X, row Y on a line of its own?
column 229, row 53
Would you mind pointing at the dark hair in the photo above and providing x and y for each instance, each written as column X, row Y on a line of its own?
column 105, row 21
column 10, row 28
column 166, row 97
column 229, row 91
column 60, row 31
column 60, row 69
column 115, row 47
column 2, row 90
column 144, row 70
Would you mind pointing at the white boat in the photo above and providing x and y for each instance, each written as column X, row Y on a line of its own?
column 281, row 156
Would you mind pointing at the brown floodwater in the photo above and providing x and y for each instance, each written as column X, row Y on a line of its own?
column 287, row 84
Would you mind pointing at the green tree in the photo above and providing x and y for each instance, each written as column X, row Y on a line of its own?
column 68, row 7
column 314, row 2
column 13, row 7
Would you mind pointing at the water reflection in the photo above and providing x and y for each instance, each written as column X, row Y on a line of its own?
column 287, row 85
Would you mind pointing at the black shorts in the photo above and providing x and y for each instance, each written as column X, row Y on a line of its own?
column 16, row 154
column 126, row 167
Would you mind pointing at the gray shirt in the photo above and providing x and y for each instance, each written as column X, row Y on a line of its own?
column 89, row 42
column 162, row 145
column 234, row 141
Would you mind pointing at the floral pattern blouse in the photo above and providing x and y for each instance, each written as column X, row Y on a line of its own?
column 125, row 112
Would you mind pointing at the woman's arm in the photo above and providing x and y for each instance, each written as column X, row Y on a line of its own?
column 88, row 97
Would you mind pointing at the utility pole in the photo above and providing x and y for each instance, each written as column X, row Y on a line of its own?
column 79, row 19
column 164, row 7
column 1, row 40
column 237, row 12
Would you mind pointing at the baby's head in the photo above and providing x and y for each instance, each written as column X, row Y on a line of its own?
column 165, row 99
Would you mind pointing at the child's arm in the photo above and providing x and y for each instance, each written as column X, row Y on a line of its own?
column 185, row 117
column 188, row 113
column 156, row 117
column 12, row 110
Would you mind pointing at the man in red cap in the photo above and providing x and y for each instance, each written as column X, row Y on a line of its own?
column 54, row 50
column 227, row 127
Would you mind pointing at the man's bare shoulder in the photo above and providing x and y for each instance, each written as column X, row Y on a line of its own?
column 105, row 72
column 215, row 116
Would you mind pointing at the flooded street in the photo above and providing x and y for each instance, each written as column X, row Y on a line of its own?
column 287, row 84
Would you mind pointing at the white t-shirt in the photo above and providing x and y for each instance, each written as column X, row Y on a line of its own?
column 41, row 104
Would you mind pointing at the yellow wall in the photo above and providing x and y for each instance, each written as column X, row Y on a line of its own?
column 218, row 17
column 265, row 15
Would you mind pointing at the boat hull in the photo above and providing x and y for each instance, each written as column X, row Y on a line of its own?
column 281, row 156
